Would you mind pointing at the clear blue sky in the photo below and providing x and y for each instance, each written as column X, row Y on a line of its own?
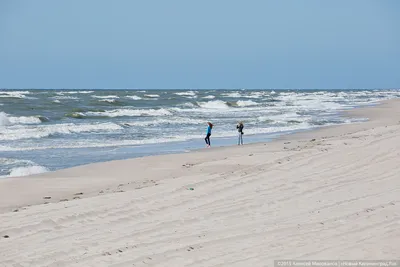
column 199, row 44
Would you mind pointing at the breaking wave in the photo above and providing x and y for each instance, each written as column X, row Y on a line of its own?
column 6, row 119
column 130, row 113
column 134, row 97
column 152, row 96
column 35, row 132
column 246, row 103
column 105, row 96
column 215, row 104
column 25, row 171
column 188, row 93
column 15, row 94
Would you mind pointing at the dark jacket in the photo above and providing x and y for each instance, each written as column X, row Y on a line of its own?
column 240, row 127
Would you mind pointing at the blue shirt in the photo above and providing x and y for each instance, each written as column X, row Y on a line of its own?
column 208, row 129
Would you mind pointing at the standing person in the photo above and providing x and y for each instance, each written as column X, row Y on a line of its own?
column 207, row 139
column 240, row 127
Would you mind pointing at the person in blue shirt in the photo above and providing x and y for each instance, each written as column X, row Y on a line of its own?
column 207, row 139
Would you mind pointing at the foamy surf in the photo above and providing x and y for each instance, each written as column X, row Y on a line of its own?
column 6, row 119
column 188, row 93
column 73, row 92
column 215, row 104
column 131, row 113
column 246, row 103
column 105, row 96
column 25, row 171
column 133, row 97
column 152, row 95
column 92, row 123
column 233, row 95
column 25, row 132
column 65, row 97
column 12, row 167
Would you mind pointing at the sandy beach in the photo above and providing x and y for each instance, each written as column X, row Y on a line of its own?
column 332, row 193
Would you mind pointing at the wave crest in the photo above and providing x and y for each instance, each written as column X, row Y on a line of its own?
column 6, row 120
column 25, row 171
column 215, row 104
column 36, row 132
column 130, row 113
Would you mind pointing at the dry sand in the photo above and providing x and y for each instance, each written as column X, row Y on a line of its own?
column 333, row 193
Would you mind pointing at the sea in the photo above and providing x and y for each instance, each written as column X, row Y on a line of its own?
column 47, row 130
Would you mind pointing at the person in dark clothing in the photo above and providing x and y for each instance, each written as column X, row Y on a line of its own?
column 207, row 139
column 240, row 127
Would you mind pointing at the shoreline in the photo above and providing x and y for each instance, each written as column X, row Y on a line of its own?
column 332, row 191
column 167, row 148
column 115, row 125
column 318, row 132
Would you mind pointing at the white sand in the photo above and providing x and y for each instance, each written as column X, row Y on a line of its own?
column 336, row 197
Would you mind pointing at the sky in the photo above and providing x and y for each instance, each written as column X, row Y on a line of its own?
column 181, row 44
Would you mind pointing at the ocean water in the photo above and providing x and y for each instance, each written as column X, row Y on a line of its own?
column 42, row 130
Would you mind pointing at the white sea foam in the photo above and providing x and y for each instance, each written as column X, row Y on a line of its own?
column 285, row 118
column 65, row 97
column 188, row 105
column 152, row 96
column 215, row 104
column 57, row 101
column 317, row 104
column 246, row 103
column 255, row 95
column 14, row 94
column 6, row 119
column 11, row 167
column 12, row 161
column 312, row 101
column 95, row 143
column 182, row 122
column 105, row 96
column 269, row 130
column 20, row 132
column 134, row 97
column 79, row 92
column 234, row 95
column 175, row 120
column 108, row 100
column 74, row 92
column 188, row 93
column 25, row 171
column 131, row 113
